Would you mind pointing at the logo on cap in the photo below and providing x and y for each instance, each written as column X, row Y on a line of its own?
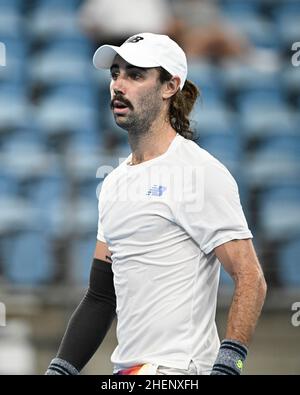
column 135, row 39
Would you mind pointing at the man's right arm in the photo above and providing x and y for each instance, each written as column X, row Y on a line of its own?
column 91, row 320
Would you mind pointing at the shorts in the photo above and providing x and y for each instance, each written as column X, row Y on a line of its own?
column 154, row 369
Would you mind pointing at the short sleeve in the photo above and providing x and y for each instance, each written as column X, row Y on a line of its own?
column 100, row 232
column 210, row 211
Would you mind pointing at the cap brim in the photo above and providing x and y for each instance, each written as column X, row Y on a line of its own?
column 104, row 56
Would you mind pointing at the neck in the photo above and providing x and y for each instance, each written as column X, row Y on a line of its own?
column 153, row 142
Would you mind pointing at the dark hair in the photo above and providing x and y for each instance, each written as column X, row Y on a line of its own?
column 181, row 105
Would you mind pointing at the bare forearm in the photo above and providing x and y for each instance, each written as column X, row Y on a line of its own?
column 240, row 261
column 246, row 306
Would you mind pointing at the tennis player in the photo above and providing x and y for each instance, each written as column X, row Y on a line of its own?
column 169, row 216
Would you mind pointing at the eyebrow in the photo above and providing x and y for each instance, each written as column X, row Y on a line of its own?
column 129, row 67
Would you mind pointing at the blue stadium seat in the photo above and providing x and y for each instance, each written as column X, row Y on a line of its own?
column 13, row 91
column 258, row 29
column 82, row 253
column 83, row 94
column 11, row 23
column 211, row 97
column 87, row 137
column 240, row 7
column 50, row 197
column 285, row 191
column 266, row 117
column 28, row 135
column 298, row 118
column 87, row 189
column 66, row 5
column 50, row 22
column 64, row 114
column 287, row 19
column 85, row 214
column 47, row 189
column 13, row 5
column 16, row 214
column 288, row 29
column 203, row 74
column 262, row 97
column 29, row 259
column 233, row 75
column 8, row 184
column 80, row 46
column 283, row 144
column 239, row 77
column 13, row 106
column 261, row 170
column 17, row 48
column 275, row 161
column 288, row 263
column 290, row 79
column 57, row 218
column 210, row 118
column 14, row 72
column 226, row 147
column 84, row 163
column 52, row 67
column 27, row 160
column 287, row 7
column 279, row 209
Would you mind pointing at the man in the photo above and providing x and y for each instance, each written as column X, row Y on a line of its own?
column 168, row 216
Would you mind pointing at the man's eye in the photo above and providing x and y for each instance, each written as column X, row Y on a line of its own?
column 135, row 76
column 114, row 75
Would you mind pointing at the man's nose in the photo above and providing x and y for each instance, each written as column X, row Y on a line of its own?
column 118, row 92
column 118, row 86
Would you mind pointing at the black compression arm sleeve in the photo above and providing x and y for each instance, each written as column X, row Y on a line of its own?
column 92, row 319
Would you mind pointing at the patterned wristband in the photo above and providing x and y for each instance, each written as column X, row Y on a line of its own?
column 60, row 367
column 230, row 359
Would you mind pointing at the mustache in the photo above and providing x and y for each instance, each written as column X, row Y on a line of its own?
column 122, row 100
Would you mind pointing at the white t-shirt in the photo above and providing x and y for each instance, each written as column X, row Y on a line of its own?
column 161, row 220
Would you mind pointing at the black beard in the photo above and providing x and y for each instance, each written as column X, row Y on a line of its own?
column 140, row 123
column 135, row 125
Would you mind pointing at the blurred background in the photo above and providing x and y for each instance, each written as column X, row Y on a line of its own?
column 56, row 130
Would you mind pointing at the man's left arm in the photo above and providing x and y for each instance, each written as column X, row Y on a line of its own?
column 239, row 259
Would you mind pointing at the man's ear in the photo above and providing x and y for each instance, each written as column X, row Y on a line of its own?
column 171, row 87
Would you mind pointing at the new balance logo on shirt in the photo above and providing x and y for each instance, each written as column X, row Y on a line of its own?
column 156, row 190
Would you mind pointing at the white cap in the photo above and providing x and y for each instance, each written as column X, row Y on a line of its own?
column 146, row 50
